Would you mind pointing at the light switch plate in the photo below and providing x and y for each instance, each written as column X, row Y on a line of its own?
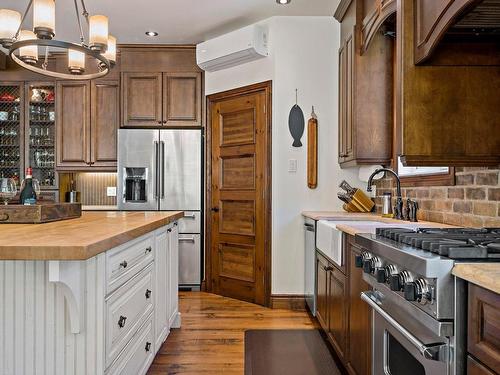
column 111, row 191
column 292, row 165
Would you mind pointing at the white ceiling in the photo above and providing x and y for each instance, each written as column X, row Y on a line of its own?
column 176, row 21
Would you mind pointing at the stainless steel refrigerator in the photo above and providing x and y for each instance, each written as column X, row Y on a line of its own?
column 162, row 170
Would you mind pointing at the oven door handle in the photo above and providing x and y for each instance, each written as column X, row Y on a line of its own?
column 435, row 352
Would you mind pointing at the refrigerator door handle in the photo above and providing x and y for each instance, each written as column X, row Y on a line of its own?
column 157, row 151
column 162, row 170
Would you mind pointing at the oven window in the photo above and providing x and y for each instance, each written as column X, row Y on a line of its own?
column 400, row 361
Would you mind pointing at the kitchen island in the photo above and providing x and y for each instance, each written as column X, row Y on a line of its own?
column 93, row 295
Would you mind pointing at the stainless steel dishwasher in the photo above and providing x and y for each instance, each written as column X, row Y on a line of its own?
column 310, row 263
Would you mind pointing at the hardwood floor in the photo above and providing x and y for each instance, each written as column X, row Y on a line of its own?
column 211, row 340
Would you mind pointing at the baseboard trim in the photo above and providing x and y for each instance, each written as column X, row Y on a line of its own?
column 295, row 302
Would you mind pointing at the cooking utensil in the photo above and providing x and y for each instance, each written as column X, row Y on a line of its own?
column 312, row 151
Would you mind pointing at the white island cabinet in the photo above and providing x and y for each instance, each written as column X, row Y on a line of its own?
column 108, row 314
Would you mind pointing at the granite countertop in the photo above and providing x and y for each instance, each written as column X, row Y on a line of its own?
column 81, row 238
column 485, row 275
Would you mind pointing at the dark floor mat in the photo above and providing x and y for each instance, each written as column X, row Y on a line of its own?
column 287, row 352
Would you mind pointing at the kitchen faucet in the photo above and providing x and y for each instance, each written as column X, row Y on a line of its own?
column 398, row 209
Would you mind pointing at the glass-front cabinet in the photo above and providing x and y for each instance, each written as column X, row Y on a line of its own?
column 27, row 132
column 11, row 131
column 40, row 133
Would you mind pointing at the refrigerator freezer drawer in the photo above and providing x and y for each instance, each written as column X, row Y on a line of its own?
column 189, row 259
column 191, row 222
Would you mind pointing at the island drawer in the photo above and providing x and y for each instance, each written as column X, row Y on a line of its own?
column 138, row 354
column 126, row 310
column 124, row 262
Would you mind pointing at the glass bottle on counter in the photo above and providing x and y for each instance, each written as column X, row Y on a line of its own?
column 28, row 194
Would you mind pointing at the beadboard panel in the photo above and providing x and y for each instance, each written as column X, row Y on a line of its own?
column 35, row 337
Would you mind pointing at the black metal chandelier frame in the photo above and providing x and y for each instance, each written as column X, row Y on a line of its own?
column 103, row 64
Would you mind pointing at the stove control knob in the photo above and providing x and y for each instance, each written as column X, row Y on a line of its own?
column 411, row 292
column 380, row 275
column 395, row 282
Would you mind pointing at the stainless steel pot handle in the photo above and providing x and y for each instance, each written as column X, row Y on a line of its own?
column 435, row 352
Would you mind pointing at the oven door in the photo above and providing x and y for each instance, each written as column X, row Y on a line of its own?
column 397, row 351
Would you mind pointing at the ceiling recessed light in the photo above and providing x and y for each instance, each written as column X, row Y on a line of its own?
column 151, row 33
column 283, row 2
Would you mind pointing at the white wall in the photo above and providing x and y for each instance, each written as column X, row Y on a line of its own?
column 303, row 55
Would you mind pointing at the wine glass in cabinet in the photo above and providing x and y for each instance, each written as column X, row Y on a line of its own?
column 11, row 131
column 40, row 133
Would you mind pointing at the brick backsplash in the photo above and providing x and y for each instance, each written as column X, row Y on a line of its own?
column 474, row 201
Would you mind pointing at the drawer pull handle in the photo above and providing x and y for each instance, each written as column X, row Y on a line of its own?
column 187, row 239
column 189, row 216
column 148, row 294
column 148, row 249
column 148, row 346
column 124, row 264
column 121, row 321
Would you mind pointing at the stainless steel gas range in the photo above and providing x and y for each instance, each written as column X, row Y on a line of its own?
column 419, row 307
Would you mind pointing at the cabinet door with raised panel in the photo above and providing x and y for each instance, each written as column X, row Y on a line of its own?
column 73, row 124
column 346, row 74
column 173, row 285
column 162, row 275
column 322, row 272
column 141, row 97
column 182, row 99
column 337, row 322
column 105, row 122
column 359, row 343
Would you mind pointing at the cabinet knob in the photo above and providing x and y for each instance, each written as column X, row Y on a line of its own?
column 159, row 122
column 148, row 250
column 124, row 264
column 148, row 294
column 121, row 321
column 328, row 268
column 169, row 230
column 148, row 347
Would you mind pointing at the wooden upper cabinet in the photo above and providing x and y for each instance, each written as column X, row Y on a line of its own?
column 448, row 111
column 142, row 99
column 162, row 99
column 432, row 19
column 105, row 121
column 365, row 89
column 182, row 97
column 87, row 123
column 73, row 124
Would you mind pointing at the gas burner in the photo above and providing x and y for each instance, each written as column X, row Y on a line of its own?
column 454, row 243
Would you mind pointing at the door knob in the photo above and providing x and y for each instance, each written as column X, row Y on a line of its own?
column 215, row 209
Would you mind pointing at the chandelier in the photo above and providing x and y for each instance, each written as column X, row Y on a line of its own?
column 24, row 45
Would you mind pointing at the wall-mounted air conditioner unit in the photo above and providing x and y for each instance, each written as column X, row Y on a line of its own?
column 235, row 48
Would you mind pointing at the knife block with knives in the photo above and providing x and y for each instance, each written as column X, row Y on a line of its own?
column 355, row 200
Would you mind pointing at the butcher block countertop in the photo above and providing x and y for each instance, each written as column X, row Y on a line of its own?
column 78, row 239
column 485, row 275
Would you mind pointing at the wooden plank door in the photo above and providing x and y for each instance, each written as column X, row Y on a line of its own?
column 239, row 212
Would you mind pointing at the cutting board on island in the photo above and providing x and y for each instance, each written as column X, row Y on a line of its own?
column 39, row 213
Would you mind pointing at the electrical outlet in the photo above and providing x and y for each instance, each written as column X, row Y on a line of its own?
column 292, row 165
column 111, row 191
